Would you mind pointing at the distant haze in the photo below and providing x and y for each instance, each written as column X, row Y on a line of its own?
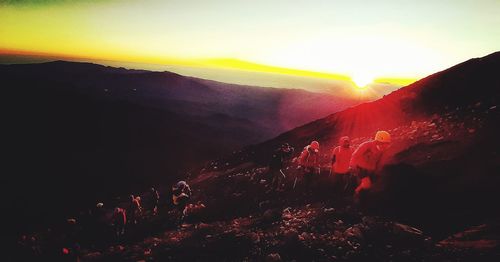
column 339, row 88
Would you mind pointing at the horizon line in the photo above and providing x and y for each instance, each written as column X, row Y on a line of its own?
column 214, row 63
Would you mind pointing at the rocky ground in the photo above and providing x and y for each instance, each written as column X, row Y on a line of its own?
column 235, row 217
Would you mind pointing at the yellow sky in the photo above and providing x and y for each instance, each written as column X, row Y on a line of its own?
column 387, row 41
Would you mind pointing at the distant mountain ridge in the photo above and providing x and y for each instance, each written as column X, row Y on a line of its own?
column 169, row 90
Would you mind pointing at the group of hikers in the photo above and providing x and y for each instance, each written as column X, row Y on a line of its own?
column 134, row 212
column 348, row 166
column 352, row 170
column 101, row 224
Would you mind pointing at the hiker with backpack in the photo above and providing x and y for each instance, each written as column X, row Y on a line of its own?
column 154, row 200
column 119, row 220
column 341, row 157
column 276, row 166
column 181, row 193
column 135, row 209
column 365, row 160
column 309, row 161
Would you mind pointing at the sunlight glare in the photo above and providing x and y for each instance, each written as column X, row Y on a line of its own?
column 362, row 80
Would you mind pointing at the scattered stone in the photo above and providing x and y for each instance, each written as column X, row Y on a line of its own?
column 304, row 236
column 254, row 237
column 93, row 255
column 353, row 232
column 202, row 226
column 117, row 248
column 286, row 216
column 273, row 257
column 329, row 210
column 477, row 238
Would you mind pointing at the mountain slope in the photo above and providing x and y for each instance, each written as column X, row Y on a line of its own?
column 444, row 161
column 455, row 89
column 435, row 200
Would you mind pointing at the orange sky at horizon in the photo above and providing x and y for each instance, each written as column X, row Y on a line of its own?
column 221, row 63
column 313, row 44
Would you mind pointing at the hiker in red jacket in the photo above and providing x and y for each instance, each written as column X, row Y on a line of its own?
column 309, row 161
column 276, row 166
column 119, row 221
column 366, row 158
column 341, row 157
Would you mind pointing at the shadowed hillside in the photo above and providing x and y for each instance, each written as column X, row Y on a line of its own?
column 79, row 132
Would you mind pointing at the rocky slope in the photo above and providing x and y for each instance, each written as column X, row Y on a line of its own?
column 435, row 200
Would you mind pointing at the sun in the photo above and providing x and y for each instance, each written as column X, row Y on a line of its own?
column 362, row 80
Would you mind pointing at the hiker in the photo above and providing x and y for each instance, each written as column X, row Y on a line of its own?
column 135, row 209
column 309, row 161
column 181, row 192
column 287, row 150
column 366, row 158
column 155, row 199
column 341, row 157
column 119, row 220
column 276, row 166
column 98, row 228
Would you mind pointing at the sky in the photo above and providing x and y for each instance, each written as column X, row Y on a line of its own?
column 394, row 41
